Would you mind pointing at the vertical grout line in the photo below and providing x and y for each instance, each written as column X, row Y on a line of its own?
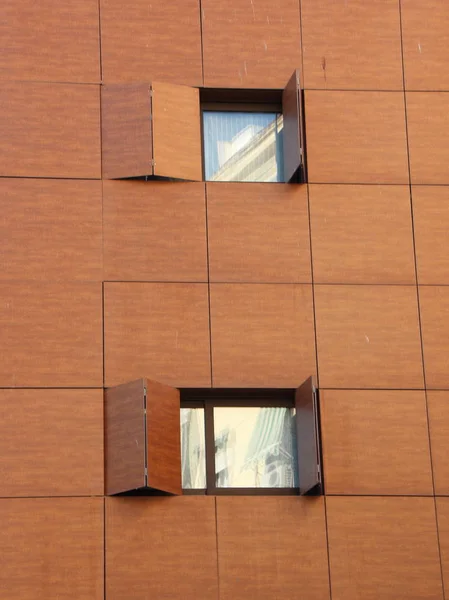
column 201, row 41
column 99, row 41
column 216, row 546
column 103, row 333
column 208, row 288
column 328, row 550
column 104, row 548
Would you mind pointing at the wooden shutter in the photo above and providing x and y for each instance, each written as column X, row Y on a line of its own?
column 293, row 133
column 142, row 438
column 308, row 440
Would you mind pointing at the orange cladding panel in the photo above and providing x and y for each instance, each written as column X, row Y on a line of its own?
column 438, row 405
column 434, row 309
column 443, row 532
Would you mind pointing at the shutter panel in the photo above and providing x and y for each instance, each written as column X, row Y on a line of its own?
column 142, row 438
column 293, row 132
column 308, row 441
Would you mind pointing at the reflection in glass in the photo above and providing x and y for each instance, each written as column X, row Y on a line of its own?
column 193, row 448
column 242, row 146
column 255, row 447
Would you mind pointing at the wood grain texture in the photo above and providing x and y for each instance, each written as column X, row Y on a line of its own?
column 160, row 329
column 368, row 337
column 176, row 131
column 428, row 136
column 262, row 335
column 51, row 548
column 426, row 54
column 51, row 442
column 50, row 41
column 375, row 442
column 51, row 227
column 431, row 224
column 272, row 547
column 124, row 437
column 126, row 132
column 293, row 130
column 163, row 437
column 443, row 534
column 50, row 334
column 50, row 130
column 250, row 44
column 361, row 234
column 141, row 41
column 438, row 406
column 174, row 538
column 383, row 548
column 258, row 232
column 154, row 231
column 352, row 45
column 434, row 309
column 356, row 137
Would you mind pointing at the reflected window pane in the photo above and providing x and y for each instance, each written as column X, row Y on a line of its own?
column 193, row 448
column 242, row 146
column 255, row 447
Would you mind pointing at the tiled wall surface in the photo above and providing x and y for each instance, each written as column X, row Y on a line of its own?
column 227, row 285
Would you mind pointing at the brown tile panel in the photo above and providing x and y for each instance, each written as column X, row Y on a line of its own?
column 375, row 442
column 438, row 405
column 434, row 308
column 272, row 547
column 154, row 231
column 262, row 335
column 157, row 329
column 356, row 137
column 250, row 44
column 50, row 335
column 51, row 548
column 383, row 548
column 426, row 53
column 51, row 442
column 443, row 533
column 50, row 229
column 161, row 548
column 361, row 234
column 428, row 136
column 50, row 130
column 368, row 337
column 431, row 223
column 142, row 41
column 50, row 41
column 258, row 232
column 352, row 45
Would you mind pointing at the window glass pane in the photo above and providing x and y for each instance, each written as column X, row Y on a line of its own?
column 193, row 448
column 242, row 146
column 255, row 447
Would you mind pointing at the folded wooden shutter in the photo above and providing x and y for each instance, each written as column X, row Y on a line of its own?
column 293, row 132
column 308, row 440
column 142, row 438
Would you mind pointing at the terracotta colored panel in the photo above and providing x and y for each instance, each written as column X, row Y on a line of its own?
column 50, row 227
column 428, row 136
column 161, row 548
column 142, row 41
column 176, row 131
column 127, row 144
column 50, row 40
column 272, row 547
column 51, row 547
column 157, row 329
column 50, row 335
column 154, row 231
column 51, row 442
column 308, row 438
column 258, row 232
column 250, row 44
column 383, row 548
column 368, row 337
column 352, row 45
column 50, row 130
column 356, row 137
column 426, row 53
column 431, row 223
column 293, row 130
column 443, row 533
column 361, row 234
column 262, row 335
column 438, row 404
column 434, row 307
column 375, row 442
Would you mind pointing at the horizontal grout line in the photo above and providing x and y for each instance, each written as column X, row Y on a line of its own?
column 47, row 497
column 382, row 495
column 390, row 91
column 50, row 178
column 34, row 387
column 8, row 81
